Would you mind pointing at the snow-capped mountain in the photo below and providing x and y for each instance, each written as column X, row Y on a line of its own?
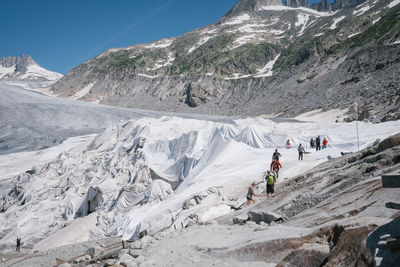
column 24, row 68
column 262, row 57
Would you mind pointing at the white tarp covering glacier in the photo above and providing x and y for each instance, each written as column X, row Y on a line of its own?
column 152, row 174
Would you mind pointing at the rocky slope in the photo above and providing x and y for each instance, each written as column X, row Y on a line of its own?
column 261, row 58
column 24, row 68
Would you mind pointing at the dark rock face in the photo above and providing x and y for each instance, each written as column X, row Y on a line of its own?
column 301, row 257
column 351, row 249
column 377, row 242
column 338, row 4
column 324, row 5
column 297, row 3
column 251, row 5
column 20, row 63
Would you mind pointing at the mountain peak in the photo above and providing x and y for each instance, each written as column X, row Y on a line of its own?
column 251, row 5
column 25, row 68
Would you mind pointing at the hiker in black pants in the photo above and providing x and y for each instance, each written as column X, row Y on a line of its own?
column 18, row 248
column 318, row 143
column 301, row 151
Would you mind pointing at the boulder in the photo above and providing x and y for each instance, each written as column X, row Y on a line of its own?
column 110, row 262
column 242, row 218
column 389, row 142
column 303, row 257
column 135, row 252
column 266, row 217
column 126, row 259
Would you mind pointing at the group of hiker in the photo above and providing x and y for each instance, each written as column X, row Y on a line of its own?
column 270, row 178
column 317, row 143
column 273, row 172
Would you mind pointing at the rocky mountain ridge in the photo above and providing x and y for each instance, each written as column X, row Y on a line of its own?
column 24, row 68
column 262, row 57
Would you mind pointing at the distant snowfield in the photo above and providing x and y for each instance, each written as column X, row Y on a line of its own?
column 36, row 72
column 156, row 173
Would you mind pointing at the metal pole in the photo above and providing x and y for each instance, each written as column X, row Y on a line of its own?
column 358, row 142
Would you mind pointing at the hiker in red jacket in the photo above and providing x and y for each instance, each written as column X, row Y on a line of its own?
column 275, row 167
column 324, row 143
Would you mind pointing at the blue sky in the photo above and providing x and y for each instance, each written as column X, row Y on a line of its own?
column 61, row 34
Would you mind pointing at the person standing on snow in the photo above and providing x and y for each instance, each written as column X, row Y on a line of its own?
column 276, row 155
column 318, row 143
column 270, row 183
column 312, row 144
column 275, row 167
column 301, row 151
column 18, row 248
column 250, row 194
column 324, row 143
column 288, row 144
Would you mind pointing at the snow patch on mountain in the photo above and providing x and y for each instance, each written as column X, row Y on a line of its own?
column 161, row 63
column 354, row 34
column 336, row 21
column 81, row 93
column 164, row 43
column 267, row 70
column 244, row 40
column 200, row 43
column 361, row 11
column 302, row 20
column 393, row 3
column 238, row 20
column 285, row 8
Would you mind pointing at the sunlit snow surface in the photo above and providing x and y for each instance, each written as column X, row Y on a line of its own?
column 185, row 168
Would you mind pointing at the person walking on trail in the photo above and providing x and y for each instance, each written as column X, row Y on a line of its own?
column 312, row 143
column 324, row 143
column 18, row 248
column 318, row 143
column 250, row 194
column 276, row 155
column 301, row 150
column 275, row 167
column 270, row 183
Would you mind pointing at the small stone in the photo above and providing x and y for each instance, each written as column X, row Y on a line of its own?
column 135, row 252
column 125, row 258
column 110, row 262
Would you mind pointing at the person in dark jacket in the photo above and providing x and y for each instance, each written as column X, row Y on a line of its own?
column 18, row 248
column 318, row 143
column 312, row 143
column 276, row 155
